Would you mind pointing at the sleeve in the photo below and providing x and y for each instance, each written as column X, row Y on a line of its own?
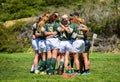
column 56, row 27
column 44, row 29
column 74, row 35
column 34, row 28
column 34, row 31
column 59, row 29
column 71, row 30
column 82, row 25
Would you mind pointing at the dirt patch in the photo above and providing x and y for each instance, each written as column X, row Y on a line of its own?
column 12, row 22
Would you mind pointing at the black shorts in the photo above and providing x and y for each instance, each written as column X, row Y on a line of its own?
column 87, row 45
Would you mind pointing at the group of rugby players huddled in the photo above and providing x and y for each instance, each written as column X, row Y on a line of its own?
column 62, row 41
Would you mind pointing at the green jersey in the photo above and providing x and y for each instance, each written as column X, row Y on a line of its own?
column 35, row 27
column 75, row 28
column 64, row 35
column 84, row 33
column 79, row 31
column 75, row 31
column 51, row 27
column 42, row 37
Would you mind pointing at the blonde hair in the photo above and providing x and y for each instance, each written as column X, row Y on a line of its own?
column 43, row 21
column 47, row 13
column 82, row 21
column 40, row 25
column 78, row 20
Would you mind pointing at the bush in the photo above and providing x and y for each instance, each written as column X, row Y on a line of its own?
column 9, row 39
column 4, row 17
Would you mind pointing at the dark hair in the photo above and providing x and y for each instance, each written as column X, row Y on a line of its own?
column 64, row 22
column 40, row 18
column 75, row 14
column 51, row 18
column 55, row 14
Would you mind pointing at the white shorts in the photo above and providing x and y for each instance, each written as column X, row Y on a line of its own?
column 52, row 43
column 35, row 44
column 65, row 46
column 78, row 46
column 42, row 46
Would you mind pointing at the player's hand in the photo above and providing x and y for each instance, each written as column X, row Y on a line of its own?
column 54, row 33
column 33, row 37
column 79, row 28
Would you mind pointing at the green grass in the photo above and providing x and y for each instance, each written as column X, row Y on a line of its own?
column 15, row 68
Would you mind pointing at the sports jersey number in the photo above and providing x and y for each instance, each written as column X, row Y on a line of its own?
column 50, row 29
column 80, row 32
column 64, row 35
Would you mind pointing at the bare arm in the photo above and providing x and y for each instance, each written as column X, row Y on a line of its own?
column 33, row 37
column 50, row 33
column 80, row 36
column 39, row 34
column 67, row 29
column 84, row 29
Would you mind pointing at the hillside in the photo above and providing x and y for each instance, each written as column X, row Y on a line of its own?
column 102, row 17
column 12, row 22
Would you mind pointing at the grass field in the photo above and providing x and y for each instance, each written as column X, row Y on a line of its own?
column 15, row 68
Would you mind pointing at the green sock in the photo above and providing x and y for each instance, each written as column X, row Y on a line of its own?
column 71, row 62
column 40, row 65
column 61, row 64
column 53, row 63
column 43, row 65
column 48, row 63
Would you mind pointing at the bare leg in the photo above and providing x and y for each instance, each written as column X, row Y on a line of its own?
column 66, row 59
column 53, row 61
column 86, row 61
column 58, row 60
column 76, row 60
column 61, row 67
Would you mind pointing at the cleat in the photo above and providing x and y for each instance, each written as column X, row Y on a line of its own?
column 60, row 70
column 43, row 73
column 37, row 71
column 31, row 71
column 85, row 73
column 50, row 72
column 77, row 72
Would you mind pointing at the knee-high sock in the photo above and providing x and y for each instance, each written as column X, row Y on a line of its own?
column 71, row 62
column 40, row 65
column 44, row 65
column 61, row 64
column 48, row 63
column 53, row 63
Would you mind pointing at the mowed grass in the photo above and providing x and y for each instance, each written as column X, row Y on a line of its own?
column 15, row 68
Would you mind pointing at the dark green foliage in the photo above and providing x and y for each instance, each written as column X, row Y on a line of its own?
column 3, row 36
column 4, row 17
column 10, row 42
column 58, row 3
column 102, row 18
column 15, row 9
